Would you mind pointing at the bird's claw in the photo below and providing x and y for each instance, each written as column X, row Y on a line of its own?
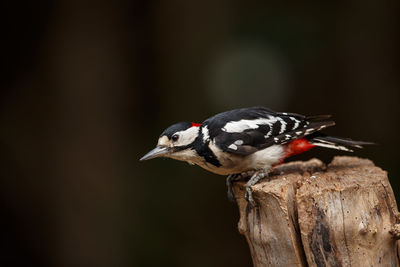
column 255, row 177
column 249, row 197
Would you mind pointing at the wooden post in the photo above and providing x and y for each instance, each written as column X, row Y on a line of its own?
column 309, row 214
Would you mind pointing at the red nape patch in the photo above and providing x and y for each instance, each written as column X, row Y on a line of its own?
column 298, row 146
column 196, row 124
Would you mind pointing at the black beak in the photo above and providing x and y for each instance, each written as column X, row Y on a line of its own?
column 159, row 151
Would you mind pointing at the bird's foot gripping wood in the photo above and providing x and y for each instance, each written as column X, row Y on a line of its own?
column 257, row 176
column 229, row 182
column 233, row 178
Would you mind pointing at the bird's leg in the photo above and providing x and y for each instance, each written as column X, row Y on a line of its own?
column 257, row 176
column 233, row 178
column 229, row 183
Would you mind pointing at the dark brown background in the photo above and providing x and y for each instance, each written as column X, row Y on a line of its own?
column 89, row 85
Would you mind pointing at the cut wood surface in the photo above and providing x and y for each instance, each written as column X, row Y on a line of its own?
column 309, row 214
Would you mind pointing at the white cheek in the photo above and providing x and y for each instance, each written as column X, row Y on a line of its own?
column 187, row 137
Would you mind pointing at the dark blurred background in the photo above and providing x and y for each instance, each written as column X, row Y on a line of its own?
column 87, row 87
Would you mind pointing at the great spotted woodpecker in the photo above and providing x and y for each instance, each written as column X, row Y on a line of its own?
column 246, row 142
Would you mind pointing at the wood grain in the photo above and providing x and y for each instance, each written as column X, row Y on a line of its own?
column 309, row 214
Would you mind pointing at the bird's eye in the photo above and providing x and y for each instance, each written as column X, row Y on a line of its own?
column 175, row 137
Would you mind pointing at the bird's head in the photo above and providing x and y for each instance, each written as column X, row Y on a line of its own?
column 176, row 142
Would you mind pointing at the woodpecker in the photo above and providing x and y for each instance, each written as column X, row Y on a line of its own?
column 246, row 142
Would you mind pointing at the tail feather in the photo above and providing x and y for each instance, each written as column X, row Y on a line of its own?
column 318, row 122
column 339, row 143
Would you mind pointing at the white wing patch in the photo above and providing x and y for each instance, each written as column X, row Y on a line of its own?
column 238, row 142
column 273, row 120
column 283, row 125
column 242, row 125
column 233, row 146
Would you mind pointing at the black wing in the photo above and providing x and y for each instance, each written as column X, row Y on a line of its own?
column 245, row 131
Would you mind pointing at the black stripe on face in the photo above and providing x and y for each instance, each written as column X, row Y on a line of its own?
column 204, row 151
column 201, row 149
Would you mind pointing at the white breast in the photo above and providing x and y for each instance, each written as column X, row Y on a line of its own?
column 232, row 163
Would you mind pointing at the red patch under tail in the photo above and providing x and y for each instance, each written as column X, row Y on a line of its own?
column 295, row 147
column 298, row 146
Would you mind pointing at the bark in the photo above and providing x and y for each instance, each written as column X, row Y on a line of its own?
column 309, row 214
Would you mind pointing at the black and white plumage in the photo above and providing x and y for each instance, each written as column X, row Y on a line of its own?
column 248, row 139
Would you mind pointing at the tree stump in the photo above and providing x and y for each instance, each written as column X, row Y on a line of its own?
column 309, row 214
